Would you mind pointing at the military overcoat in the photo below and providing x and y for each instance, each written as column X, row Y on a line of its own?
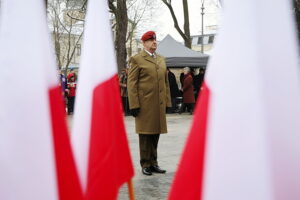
column 148, row 89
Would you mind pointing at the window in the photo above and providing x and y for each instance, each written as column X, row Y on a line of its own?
column 211, row 39
column 194, row 40
column 200, row 39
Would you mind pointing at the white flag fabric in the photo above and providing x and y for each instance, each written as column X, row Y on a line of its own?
column 98, row 135
column 249, row 146
column 35, row 157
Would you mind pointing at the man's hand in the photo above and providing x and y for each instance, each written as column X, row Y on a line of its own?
column 135, row 112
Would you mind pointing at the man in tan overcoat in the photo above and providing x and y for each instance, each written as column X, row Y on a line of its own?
column 149, row 96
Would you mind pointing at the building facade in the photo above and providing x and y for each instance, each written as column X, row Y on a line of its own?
column 207, row 40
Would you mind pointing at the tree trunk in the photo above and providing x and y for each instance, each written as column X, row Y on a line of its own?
column 186, row 26
column 121, row 32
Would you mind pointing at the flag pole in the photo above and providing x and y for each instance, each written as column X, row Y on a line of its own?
column 130, row 189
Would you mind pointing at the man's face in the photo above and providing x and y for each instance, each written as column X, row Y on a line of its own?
column 150, row 45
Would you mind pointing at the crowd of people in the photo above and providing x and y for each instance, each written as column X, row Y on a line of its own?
column 191, row 82
column 183, row 97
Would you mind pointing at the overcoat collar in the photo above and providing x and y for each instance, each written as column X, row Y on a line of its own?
column 148, row 57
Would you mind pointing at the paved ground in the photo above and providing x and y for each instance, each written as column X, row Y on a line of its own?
column 170, row 146
column 169, row 150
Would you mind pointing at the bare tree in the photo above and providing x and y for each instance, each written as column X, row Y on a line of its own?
column 67, row 22
column 136, row 16
column 186, row 33
column 139, row 14
column 119, row 10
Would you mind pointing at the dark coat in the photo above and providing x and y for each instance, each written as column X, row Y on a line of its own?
column 197, row 81
column 181, row 79
column 148, row 89
column 188, row 89
column 173, row 85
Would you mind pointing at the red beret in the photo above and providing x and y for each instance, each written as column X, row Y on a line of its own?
column 148, row 35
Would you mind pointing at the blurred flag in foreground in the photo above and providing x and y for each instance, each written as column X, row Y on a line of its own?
column 99, row 138
column 36, row 161
column 244, row 142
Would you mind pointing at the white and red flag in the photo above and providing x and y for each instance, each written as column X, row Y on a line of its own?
column 99, row 137
column 244, row 141
column 36, row 161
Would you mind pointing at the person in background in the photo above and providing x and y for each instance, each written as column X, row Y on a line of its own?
column 64, row 87
column 123, row 86
column 196, row 83
column 181, row 78
column 201, row 78
column 173, row 89
column 71, row 93
column 188, row 91
column 71, row 73
column 149, row 96
column 63, row 84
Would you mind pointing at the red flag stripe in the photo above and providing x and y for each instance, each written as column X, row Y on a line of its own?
column 109, row 164
column 188, row 180
column 67, row 177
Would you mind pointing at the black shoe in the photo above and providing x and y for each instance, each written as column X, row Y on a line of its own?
column 147, row 171
column 157, row 169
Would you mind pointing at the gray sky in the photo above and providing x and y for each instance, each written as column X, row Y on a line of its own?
column 162, row 21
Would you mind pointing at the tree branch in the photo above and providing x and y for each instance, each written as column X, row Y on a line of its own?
column 112, row 7
column 169, row 5
column 74, row 18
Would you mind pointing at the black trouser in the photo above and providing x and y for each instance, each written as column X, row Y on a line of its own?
column 148, row 149
column 71, row 101
column 173, row 99
column 173, row 108
column 125, row 105
column 189, row 106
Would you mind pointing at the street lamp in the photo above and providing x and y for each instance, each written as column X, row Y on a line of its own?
column 202, row 14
